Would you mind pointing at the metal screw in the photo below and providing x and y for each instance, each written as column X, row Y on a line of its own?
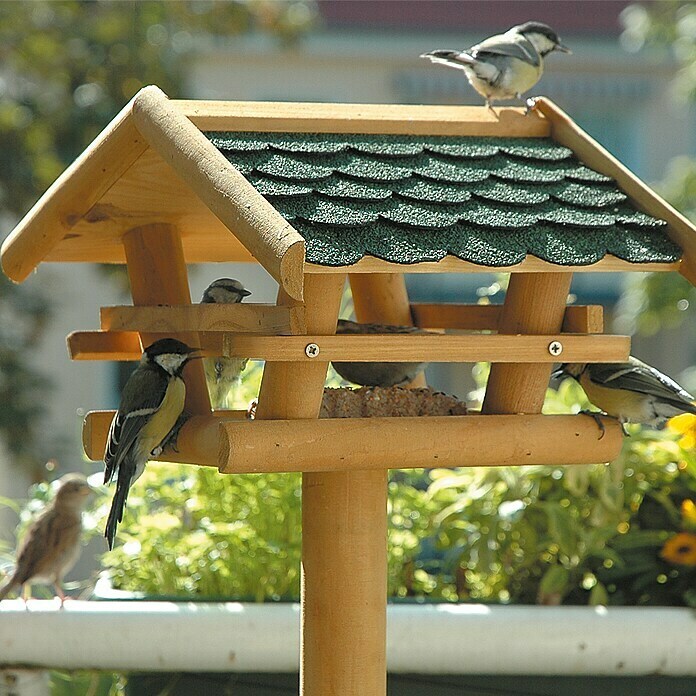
column 555, row 348
column 311, row 350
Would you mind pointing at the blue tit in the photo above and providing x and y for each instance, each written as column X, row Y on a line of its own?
column 222, row 373
column 377, row 374
column 152, row 404
column 632, row 392
column 506, row 65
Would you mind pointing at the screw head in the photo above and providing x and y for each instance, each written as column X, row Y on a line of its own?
column 312, row 350
column 555, row 348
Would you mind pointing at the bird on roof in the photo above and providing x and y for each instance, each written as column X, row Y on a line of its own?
column 377, row 374
column 51, row 545
column 506, row 65
column 222, row 373
column 632, row 392
column 149, row 416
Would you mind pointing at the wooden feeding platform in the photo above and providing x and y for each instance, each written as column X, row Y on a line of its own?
column 319, row 194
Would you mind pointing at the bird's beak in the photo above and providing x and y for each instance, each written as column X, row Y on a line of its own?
column 195, row 354
column 245, row 293
column 563, row 49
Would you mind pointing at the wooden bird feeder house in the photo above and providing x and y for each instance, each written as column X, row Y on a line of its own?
column 316, row 193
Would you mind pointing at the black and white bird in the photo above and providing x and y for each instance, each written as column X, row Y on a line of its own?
column 377, row 374
column 632, row 392
column 222, row 374
column 506, row 65
column 152, row 404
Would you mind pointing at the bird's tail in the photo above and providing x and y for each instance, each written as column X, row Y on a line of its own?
column 118, row 505
column 448, row 56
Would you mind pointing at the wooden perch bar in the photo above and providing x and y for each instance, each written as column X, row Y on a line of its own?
column 600, row 348
column 236, row 318
column 433, row 348
column 238, row 446
column 587, row 319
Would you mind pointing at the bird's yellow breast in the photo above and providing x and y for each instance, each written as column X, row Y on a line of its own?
column 620, row 403
column 164, row 419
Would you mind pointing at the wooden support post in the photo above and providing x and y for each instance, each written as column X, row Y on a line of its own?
column 381, row 298
column 158, row 275
column 344, row 532
column 534, row 304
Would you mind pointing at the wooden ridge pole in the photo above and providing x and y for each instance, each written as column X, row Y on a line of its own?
column 534, row 304
column 158, row 275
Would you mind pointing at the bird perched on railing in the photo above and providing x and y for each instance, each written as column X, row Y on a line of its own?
column 221, row 373
column 377, row 374
column 506, row 65
column 152, row 404
column 51, row 545
column 632, row 392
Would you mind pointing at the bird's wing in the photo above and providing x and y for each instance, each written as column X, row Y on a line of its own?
column 510, row 45
column 641, row 378
column 143, row 397
column 40, row 547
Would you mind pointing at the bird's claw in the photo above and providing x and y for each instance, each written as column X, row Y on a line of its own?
column 171, row 440
column 597, row 417
column 530, row 105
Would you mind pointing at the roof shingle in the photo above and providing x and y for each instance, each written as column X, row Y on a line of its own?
column 407, row 199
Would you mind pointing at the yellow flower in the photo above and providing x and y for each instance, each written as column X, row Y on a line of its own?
column 686, row 425
column 680, row 549
column 688, row 511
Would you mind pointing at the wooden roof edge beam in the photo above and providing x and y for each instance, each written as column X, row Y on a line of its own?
column 220, row 185
column 680, row 229
column 72, row 195
column 378, row 119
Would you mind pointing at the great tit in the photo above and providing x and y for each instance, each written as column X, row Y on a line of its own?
column 152, row 403
column 632, row 392
column 506, row 65
column 377, row 374
column 223, row 373
column 51, row 545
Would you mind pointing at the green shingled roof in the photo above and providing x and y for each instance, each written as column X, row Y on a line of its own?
column 407, row 199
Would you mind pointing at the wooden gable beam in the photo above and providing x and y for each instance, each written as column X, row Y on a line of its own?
column 680, row 229
column 72, row 195
column 278, row 247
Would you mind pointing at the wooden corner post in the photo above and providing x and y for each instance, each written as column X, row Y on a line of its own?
column 344, row 531
column 158, row 276
column 535, row 303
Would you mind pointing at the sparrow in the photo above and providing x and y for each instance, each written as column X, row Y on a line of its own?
column 222, row 373
column 506, row 65
column 51, row 545
column 632, row 392
column 147, row 420
column 377, row 374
